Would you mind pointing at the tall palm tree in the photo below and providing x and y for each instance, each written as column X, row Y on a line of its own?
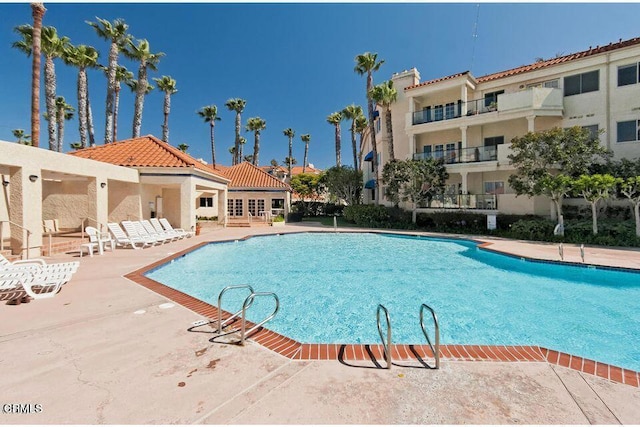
column 352, row 112
column 335, row 119
column 122, row 76
column 210, row 115
column 232, row 151
column 384, row 95
column 64, row 112
column 289, row 162
column 241, row 143
column 133, row 85
column 237, row 105
column 83, row 57
column 21, row 136
column 116, row 33
column 52, row 47
column 168, row 86
column 37, row 11
column 305, row 138
column 367, row 63
column 141, row 53
column 256, row 125
column 362, row 127
column 289, row 133
column 183, row 147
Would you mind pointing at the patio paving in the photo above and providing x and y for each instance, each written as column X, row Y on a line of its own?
column 91, row 356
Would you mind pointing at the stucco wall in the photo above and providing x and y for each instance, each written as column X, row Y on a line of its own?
column 65, row 201
column 267, row 196
column 124, row 201
column 207, row 211
column 171, row 201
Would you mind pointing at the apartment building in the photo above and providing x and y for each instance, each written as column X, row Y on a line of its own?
column 469, row 121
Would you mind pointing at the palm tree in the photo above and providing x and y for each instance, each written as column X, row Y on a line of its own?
column 232, row 151
column 210, row 115
column 335, row 119
column 288, row 162
column 248, row 158
column 237, row 105
column 141, row 53
column 20, row 135
column 289, row 133
column 352, row 112
column 384, row 95
column 52, row 47
column 83, row 57
column 122, row 76
column 183, row 147
column 116, row 33
column 305, row 138
column 256, row 125
column 242, row 141
column 37, row 11
column 367, row 63
column 362, row 126
column 64, row 112
column 168, row 86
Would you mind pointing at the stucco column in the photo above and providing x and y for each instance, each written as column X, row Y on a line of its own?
column 531, row 123
column 25, row 209
column 412, row 146
column 97, row 203
column 463, row 136
column 463, row 98
column 222, row 207
column 187, row 205
column 464, row 182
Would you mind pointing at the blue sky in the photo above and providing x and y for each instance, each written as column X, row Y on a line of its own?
column 293, row 63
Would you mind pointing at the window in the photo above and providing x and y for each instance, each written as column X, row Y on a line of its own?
column 206, row 202
column 427, row 152
column 629, row 131
column 438, row 112
column 255, row 206
column 451, row 152
column 230, row 207
column 494, row 187
column 593, row 130
column 238, row 207
column 377, row 125
column 549, row 83
column 277, row 203
column 628, row 74
column 439, row 151
column 450, row 110
column 582, row 83
column 493, row 141
column 491, row 97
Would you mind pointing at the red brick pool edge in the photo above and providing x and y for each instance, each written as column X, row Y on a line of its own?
column 374, row 352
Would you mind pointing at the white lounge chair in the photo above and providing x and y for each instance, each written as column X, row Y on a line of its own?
column 144, row 233
column 152, row 231
column 132, row 233
column 167, row 226
column 123, row 240
column 39, row 266
column 97, row 240
column 35, row 285
column 156, row 224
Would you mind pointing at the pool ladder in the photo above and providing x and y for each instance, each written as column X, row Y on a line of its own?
column 386, row 344
column 242, row 313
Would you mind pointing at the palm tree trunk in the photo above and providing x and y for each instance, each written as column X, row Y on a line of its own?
column 389, row 133
column 141, row 88
column 306, row 151
column 338, row 143
column 353, row 144
column 213, row 147
column 290, row 154
column 372, row 129
column 241, row 146
column 92, row 136
column 111, row 84
column 116, row 106
column 50, row 97
column 60, row 118
column 37, row 10
column 165, row 125
column 360, row 154
column 256, row 148
column 82, row 106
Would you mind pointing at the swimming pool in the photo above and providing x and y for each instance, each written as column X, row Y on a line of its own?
column 330, row 284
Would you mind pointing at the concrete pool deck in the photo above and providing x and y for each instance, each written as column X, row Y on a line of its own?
column 88, row 358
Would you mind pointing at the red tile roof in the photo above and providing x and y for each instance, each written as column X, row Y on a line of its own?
column 246, row 175
column 542, row 64
column 295, row 170
column 145, row 151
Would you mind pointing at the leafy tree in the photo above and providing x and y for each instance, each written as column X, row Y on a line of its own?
column 308, row 186
column 237, row 105
column 630, row 188
column 595, row 188
column 414, row 181
column 306, row 138
column 343, row 183
column 289, row 133
column 335, row 119
column 256, row 125
column 354, row 113
column 168, row 86
column 384, row 95
column 210, row 115
column 539, row 156
column 21, row 136
column 367, row 63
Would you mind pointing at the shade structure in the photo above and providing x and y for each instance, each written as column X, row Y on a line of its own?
column 369, row 156
column 371, row 184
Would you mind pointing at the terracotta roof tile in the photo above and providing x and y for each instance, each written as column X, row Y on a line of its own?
column 246, row 175
column 295, row 170
column 542, row 64
column 145, row 151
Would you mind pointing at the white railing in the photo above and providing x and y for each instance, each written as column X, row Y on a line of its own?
column 22, row 249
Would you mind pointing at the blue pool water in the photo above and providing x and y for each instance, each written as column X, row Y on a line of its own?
column 330, row 284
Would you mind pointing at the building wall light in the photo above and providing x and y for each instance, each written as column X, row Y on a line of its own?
column 33, row 178
column 103, row 184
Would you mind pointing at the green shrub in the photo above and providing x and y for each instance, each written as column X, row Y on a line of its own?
column 279, row 218
column 378, row 216
column 532, row 229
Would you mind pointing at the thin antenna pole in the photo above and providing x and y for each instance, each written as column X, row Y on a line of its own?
column 474, row 36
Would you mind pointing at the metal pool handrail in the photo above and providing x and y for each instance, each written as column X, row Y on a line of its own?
column 435, row 349
column 387, row 345
column 247, row 303
column 233, row 316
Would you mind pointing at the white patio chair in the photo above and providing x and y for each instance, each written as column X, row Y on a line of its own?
column 144, row 233
column 132, row 233
column 39, row 266
column 123, row 240
column 167, row 226
column 35, row 285
column 156, row 224
column 151, row 230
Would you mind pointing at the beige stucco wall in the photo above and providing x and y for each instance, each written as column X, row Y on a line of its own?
column 207, row 211
column 268, row 196
column 124, row 201
column 66, row 201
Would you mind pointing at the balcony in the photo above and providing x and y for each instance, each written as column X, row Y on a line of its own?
column 462, row 201
column 466, row 155
column 454, row 111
